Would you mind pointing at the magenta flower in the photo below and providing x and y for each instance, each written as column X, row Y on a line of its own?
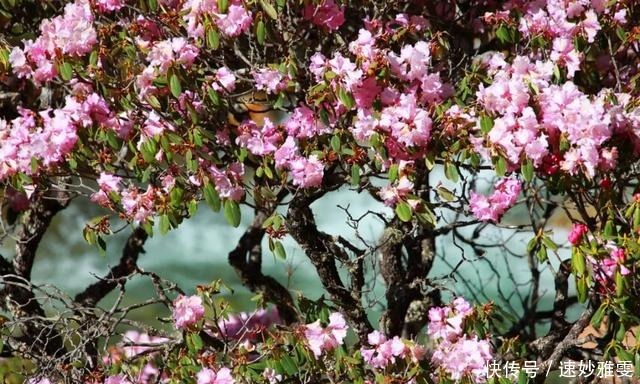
column 577, row 231
column 208, row 376
column 327, row 15
column 187, row 311
column 107, row 6
column 322, row 339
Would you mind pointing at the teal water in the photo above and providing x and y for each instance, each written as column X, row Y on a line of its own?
column 196, row 253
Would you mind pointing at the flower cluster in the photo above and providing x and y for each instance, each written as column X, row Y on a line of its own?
column 187, row 311
column 71, row 33
column 459, row 354
column 491, row 208
column 321, row 339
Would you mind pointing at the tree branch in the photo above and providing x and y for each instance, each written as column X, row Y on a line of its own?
column 128, row 262
column 321, row 249
column 249, row 270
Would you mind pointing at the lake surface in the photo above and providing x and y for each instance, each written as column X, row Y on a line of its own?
column 196, row 253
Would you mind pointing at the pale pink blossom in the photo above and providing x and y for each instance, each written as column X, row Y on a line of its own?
column 306, row 172
column 209, row 376
column 187, row 311
column 235, row 22
column 327, row 338
column 226, row 80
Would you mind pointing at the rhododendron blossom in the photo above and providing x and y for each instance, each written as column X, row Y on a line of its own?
column 187, row 310
column 322, row 339
column 491, row 208
column 209, row 376
column 577, row 232
column 327, row 15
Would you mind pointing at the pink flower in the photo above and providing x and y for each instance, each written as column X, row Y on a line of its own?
column 491, row 208
column 107, row 6
column 187, row 310
column 258, row 140
column 577, row 231
column 466, row 357
column 307, row 172
column 43, row 380
column 271, row 375
column 226, row 80
column 287, row 152
column 302, row 123
column 384, row 351
column 208, row 376
column 229, row 183
column 325, row 339
column 117, row 379
column 235, row 22
column 270, row 80
column 109, row 182
column 327, row 15
column 391, row 194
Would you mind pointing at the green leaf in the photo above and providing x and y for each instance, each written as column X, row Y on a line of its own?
column 346, row 98
column 93, row 58
column 451, row 172
column 486, row 123
column 278, row 250
column 195, row 342
column 261, row 32
column 223, row 5
column 578, row 263
column 597, row 317
column 66, row 71
column 268, row 9
column 214, row 97
column 502, row 33
column 335, row 143
column 501, row 166
column 232, row 213
column 445, row 194
column 213, row 39
column 403, row 211
column 619, row 284
column 531, row 245
column 393, row 173
column 542, row 254
column 582, row 289
column 164, row 224
column 192, row 208
column 527, row 170
column 549, row 243
column 290, row 366
column 102, row 246
column 174, row 85
column 355, row 175
column 153, row 5
column 211, row 196
column 522, row 377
